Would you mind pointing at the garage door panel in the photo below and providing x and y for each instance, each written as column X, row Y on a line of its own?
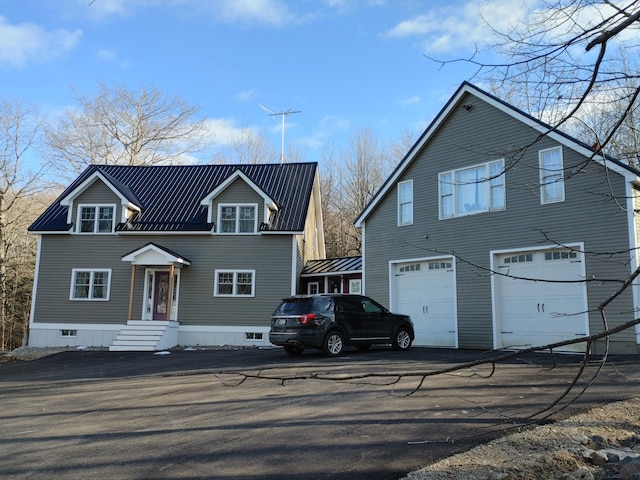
column 533, row 313
column 425, row 291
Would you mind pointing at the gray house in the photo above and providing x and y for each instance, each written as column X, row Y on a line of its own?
column 145, row 258
column 487, row 199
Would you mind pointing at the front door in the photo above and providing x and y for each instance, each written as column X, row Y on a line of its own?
column 161, row 296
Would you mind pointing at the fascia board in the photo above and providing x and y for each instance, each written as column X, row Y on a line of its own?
column 509, row 110
column 67, row 200
column 206, row 201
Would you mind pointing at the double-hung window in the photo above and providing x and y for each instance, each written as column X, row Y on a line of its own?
column 96, row 218
column 234, row 283
column 405, row 202
column 551, row 176
column 90, row 284
column 237, row 218
column 477, row 189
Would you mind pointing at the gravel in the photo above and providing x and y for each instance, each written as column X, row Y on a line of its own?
column 33, row 353
column 599, row 444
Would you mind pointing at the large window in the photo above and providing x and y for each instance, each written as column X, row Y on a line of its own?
column 87, row 284
column 551, row 176
column 234, row 283
column 477, row 189
column 237, row 218
column 405, row 202
column 96, row 218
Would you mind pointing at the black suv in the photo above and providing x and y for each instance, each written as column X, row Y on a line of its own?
column 333, row 321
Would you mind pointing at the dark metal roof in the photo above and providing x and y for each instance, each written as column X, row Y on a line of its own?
column 170, row 196
column 329, row 266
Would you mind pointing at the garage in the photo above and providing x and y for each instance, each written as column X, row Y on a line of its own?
column 425, row 290
column 552, row 309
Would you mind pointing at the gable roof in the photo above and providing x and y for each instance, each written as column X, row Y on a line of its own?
column 517, row 114
column 170, row 197
column 154, row 254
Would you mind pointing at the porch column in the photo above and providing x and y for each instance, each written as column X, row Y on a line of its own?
column 170, row 296
column 131, row 290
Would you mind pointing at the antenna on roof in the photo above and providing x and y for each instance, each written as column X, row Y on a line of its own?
column 282, row 114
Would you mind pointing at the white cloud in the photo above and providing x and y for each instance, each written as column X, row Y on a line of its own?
column 224, row 130
column 251, row 12
column 445, row 29
column 246, row 95
column 104, row 8
column 410, row 100
column 266, row 12
column 112, row 56
column 106, row 54
column 27, row 42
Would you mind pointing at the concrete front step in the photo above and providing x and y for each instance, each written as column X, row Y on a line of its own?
column 141, row 335
column 146, row 328
column 142, row 343
column 144, row 323
column 145, row 333
column 130, row 348
column 122, row 336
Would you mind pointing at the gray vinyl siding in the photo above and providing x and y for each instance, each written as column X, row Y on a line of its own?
column 589, row 214
column 97, row 194
column 239, row 193
column 268, row 255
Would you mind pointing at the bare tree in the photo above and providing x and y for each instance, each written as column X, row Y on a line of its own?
column 247, row 146
column 573, row 63
column 127, row 127
column 351, row 178
column 19, row 126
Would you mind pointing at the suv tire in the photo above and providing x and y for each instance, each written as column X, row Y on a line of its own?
column 333, row 344
column 401, row 339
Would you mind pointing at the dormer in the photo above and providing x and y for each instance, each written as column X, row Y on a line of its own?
column 98, row 204
column 239, row 207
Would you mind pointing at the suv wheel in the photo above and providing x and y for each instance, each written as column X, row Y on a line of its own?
column 333, row 344
column 401, row 340
column 293, row 349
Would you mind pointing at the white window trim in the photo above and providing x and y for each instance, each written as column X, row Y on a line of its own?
column 237, row 207
column 317, row 285
column 90, row 298
column 543, row 181
column 410, row 221
column 235, row 283
column 352, row 283
column 95, row 206
column 454, row 187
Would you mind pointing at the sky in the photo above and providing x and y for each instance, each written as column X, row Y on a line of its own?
column 343, row 65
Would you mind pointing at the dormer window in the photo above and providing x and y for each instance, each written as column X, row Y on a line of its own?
column 238, row 218
column 96, row 218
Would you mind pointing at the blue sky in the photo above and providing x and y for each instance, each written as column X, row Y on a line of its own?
column 344, row 64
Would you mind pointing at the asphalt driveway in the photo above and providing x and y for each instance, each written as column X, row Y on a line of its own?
column 193, row 415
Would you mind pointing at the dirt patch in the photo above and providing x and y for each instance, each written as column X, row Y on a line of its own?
column 580, row 447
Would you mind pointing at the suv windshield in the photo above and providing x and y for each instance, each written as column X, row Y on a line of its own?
column 299, row 306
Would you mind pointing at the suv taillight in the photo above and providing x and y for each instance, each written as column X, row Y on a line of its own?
column 306, row 318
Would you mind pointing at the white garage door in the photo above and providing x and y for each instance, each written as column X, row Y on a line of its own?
column 533, row 313
column 426, row 292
